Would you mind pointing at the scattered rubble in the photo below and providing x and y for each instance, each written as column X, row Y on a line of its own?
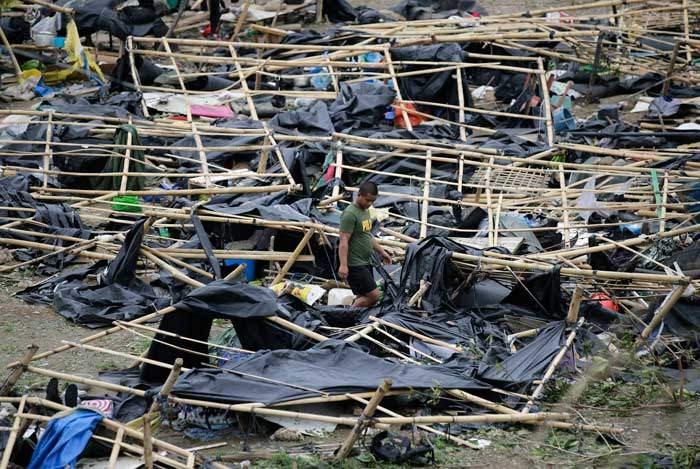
column 171, row 166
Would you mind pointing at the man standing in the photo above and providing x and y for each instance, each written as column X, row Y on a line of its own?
column 356, row 245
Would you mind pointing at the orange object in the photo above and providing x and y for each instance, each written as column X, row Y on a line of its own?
column 606, row 302
column 413, row 118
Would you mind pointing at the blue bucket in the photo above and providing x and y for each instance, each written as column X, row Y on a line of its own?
column 563, row 120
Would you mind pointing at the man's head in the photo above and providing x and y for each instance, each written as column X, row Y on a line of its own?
column 367, row 195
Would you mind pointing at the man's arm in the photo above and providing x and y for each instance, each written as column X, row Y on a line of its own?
column 343, row 254
column 386, row 258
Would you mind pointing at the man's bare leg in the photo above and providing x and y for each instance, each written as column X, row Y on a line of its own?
column 370, row 299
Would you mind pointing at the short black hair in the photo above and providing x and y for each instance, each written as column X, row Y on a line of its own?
column 368, row 188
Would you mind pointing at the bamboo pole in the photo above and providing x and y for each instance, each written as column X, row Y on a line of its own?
column 114, row 455
column 147, row 442
column 18, row 370
column 363, row 420
column 686, row 32
column 551, row 368
column 293, row 258
column 663, row 309
column 507, row 410
column 417, row 335
column 418, row 295
column 564, row 206
column 48, row 151
column 397, row 89
column 426, row 195
column 13, row 59
column 546, row 102
column 426, row 428
column 167, row 386
column 16, row 425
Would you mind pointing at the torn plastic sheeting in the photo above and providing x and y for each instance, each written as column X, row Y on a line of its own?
column 529, row 362
column 684, row 319
column 540, row 292
column 360, row 105
column 432, row 9
column 312, row 120
column 438, row 87
column 102, row 15
column 275, row 207
column 177, row 104
column 214, row 156
column 330, row 367
column 121, row 295
column 206, row 245
column 430, row 260
column 452, row 328
column 244, row 304
column 221, row 299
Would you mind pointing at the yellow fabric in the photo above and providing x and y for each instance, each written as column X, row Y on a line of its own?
column 76, row 56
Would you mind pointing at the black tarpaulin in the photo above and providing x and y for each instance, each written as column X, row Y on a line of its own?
column 244, row 305
column 529, row 362
column 311, row 120
column 539, row 292
column 430, row 260
column 206, row 245
column 221, row 299
column 360, row 105
column 120, row 297
column 334, row 367
column 437, row 87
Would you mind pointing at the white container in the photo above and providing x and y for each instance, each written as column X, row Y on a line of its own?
column 340, row 297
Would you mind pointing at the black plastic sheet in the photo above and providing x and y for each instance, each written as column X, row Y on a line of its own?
column 529, row 362
column 334, row 367
column 119, row 297
column 244, row 305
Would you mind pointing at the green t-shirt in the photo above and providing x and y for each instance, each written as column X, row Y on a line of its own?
column 356, row 221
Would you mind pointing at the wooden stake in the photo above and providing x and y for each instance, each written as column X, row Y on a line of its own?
column 147, row 441
column 362, row 423
column 6, row 44
column 292, row 259
column 18, row 370
column 426, row 195
column 671, row 66
column 663, row 309
column 552, row 367
column 16, row 425
column 167, row 386
column 575, row 305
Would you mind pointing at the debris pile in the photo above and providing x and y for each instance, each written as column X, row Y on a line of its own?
column 171, row 167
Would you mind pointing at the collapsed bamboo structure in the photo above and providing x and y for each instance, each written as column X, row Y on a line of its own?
column 485, row 178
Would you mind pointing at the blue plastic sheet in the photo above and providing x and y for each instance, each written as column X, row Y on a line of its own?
column 64, row 440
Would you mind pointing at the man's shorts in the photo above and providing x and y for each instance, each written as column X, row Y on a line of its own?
column 361, row 279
